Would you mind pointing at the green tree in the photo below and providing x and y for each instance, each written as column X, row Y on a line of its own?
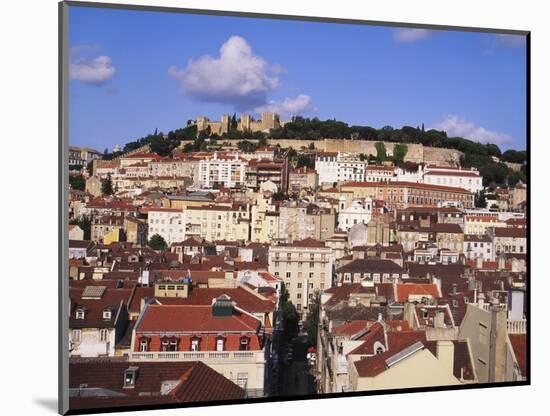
column 311, row 146
column 234, row 123
column 480, row 200
column 380, row 152
column 399, row 152
column 156, row 242
column 304, row 160
column 246, row 146
column 311, row 324
column 77, row 182
column 290, row 316
column 107, row 185
column 515, row 156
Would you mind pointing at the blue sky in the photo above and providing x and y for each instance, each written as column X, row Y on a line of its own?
column 134, row 71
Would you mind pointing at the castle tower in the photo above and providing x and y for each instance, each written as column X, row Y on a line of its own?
column 270, row 120
column 202, row 123
column 225, row 123
column 244, row 125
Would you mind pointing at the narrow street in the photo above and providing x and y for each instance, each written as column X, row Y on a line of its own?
column 295, row 376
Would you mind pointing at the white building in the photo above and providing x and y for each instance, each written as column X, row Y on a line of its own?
column 478, row 247
column 168, row 223
column 358, row 211
column 175, row 167
column 405, row 175
column 339, row 167
column 376, row 173
column 469, row 179
column 327, row 167
column 305, row 268
column 229, row 172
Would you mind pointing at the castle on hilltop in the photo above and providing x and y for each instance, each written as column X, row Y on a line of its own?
column 246, row 122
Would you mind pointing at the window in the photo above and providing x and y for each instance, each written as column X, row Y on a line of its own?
column 299, row 285
column 195, row 344
column 77, row 333
column 107, row 314
column 288, row 274
column 219, row 344
column 298, row 296
column 143, row 345
column 80, row 314
column 103, row 334
column 242, row 380
column 311, row 265
column 243, row 344
column 379, row 350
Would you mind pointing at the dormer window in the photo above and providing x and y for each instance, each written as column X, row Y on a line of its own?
column 244, row 344
column 107, row 314
column 169, row 344
column 80, row 314
column 144, row 345
column 195, row 344
column 130, row 376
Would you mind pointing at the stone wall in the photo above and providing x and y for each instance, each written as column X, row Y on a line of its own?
column 416, row 153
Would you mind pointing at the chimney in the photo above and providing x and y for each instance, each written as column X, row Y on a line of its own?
column 497, row 344
column 409, row 315
column 501, row 263
column 479, row 262
column 481, row 300
column 439, row 320
column 445, row 351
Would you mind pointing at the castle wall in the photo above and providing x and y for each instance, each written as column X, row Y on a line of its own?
column 416, row 153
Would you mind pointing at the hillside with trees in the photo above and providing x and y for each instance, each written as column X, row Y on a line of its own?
column 487, row 158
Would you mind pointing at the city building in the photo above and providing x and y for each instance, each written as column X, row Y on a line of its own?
column 359, row 211
column 220, row 335
column 222, row 171
column 469, row 179
column 305, row 266
column 169, row 223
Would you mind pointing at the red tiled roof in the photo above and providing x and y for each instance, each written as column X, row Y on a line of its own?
column 307, row 242
column 510, row 232
column 351, row 328
column 93, row 317
column 404, row 290
column 465, row 173
column 397, row 184
column 195, row 381
column 374, row 334
column 243, row 298
column 519, row 345
column 186, row 318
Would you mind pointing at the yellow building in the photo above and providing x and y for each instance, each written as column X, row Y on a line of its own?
column 112, row 236
column 216, row 222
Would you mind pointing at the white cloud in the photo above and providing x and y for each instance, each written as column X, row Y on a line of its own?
column 411, row 35
column 289, row 106
column 95, row 71
column 237, row 76
column 458, row 126
column 512, row 41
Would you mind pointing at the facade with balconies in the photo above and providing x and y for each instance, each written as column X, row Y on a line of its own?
column 222, row 336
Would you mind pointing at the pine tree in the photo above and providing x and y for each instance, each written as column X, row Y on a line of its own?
column 107, row 186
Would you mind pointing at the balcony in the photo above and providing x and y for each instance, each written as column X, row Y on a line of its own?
column 516, row 326
column 208, row 357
